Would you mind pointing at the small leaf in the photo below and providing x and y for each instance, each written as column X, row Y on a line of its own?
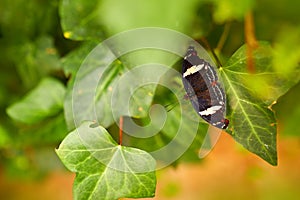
column 252, row 123
column 106, row 170
column 43, row 101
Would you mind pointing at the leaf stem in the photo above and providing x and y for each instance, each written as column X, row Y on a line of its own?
column 120, row 130
column 223, row 37
column 205, row 42
column 251, row 41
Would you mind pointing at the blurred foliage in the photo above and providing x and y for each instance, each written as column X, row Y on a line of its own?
column 31, row 48
column 228, row 10
column 50, row 38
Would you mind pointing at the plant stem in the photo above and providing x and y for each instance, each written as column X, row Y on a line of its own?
column 120, row 130
column 251, row 41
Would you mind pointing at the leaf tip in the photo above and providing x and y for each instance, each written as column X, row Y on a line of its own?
column 274, row 162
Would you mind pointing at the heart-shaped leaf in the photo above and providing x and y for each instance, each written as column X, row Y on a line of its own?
column 106, row 170
column 252, row 122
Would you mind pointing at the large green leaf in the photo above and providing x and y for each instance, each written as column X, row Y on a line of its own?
column 106, row 170
column 252, row 122
column 44, row 101
column 100, row 76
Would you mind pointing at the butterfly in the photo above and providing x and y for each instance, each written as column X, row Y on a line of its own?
column 202, row 88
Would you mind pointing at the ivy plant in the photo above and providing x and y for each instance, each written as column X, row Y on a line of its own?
column 112, row 164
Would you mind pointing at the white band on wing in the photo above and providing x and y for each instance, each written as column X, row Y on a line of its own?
column 210, row 110
column 193, row 69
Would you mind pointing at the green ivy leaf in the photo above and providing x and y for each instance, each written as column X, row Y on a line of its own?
column 44, row 101
column 106, row 170
column 90, row 98
column 252, row 123
column 80, row 19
